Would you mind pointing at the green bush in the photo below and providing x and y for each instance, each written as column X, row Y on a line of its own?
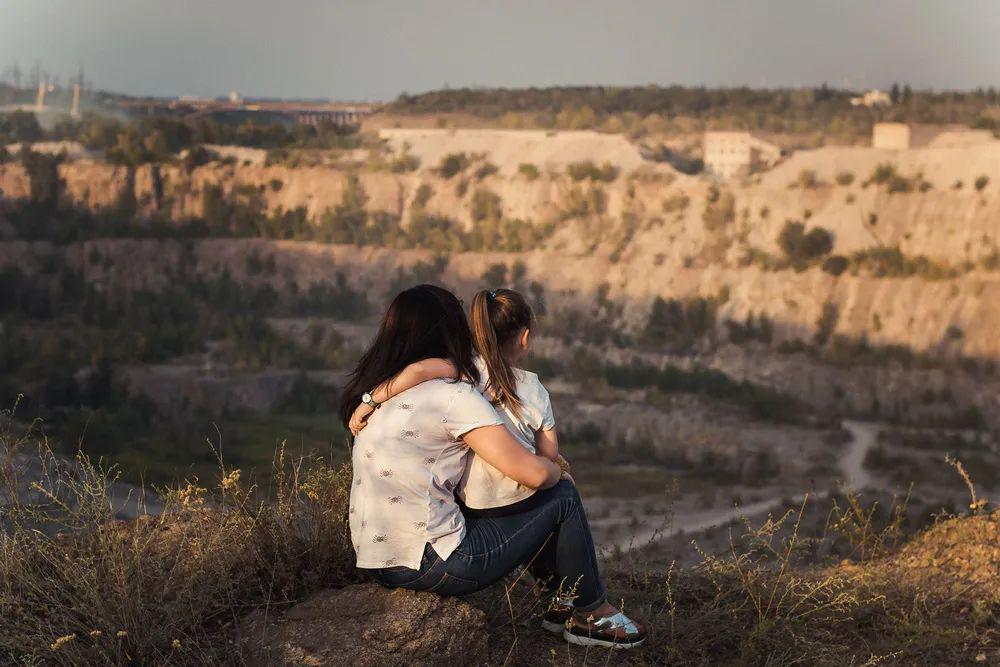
column 584, row 204
column 586, row 169
column 675, row 203
column 678, row 324
column 528, row 170
column 486, row 169
column 800, row 247
column 845, row 178
column 404, row 163
column 806, row 180
column 486, row 205
column 826, row 323
column 981, row 182
column 422, row 196
column 452, row 164
column 835, row 264
column 720, row 210
column 195, row 157
column 45, row 183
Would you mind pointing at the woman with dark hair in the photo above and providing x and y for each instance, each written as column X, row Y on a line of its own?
column 406, row 525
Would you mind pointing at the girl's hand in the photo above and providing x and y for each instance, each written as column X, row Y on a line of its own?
column 360, row 418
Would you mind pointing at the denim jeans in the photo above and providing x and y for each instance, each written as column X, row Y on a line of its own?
column 553, row 539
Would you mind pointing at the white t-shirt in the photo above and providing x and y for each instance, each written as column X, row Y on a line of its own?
column 484, row 486
column 408, row 461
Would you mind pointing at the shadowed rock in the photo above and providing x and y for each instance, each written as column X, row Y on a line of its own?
column 370, row 625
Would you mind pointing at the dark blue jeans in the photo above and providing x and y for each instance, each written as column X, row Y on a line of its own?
column 552, row 538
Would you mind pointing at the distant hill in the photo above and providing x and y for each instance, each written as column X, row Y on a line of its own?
column 777, row 110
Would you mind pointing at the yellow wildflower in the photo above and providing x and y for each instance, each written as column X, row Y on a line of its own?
column 231, row 481
column 62, row 641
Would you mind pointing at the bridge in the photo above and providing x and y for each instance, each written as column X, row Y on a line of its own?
column 308, row 113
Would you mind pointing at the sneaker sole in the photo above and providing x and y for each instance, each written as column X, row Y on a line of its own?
column 553, row 627
column 592, row 641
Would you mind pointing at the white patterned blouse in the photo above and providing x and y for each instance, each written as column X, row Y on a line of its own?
column 407, row 462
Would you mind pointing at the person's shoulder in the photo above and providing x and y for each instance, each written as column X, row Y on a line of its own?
column 530, row 386
column 448, row 388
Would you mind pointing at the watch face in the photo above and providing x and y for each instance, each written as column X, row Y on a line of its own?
column 366, row 398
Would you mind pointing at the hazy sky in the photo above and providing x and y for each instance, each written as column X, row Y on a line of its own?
column 375, row 49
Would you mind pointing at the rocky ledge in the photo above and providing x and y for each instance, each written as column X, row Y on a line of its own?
column 366, row 624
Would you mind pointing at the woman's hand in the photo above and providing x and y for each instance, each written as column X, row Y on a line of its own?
column 359, row 419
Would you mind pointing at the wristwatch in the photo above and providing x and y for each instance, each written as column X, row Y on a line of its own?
column 367, row 399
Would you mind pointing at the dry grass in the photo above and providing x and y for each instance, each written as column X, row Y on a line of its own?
column 77, row 587
column 770, row 600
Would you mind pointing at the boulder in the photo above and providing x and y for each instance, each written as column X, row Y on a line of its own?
column 366, row 624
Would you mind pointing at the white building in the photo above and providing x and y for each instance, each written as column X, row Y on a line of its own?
column 729, row 154
column 873, row 98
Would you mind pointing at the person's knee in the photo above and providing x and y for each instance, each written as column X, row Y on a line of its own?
column 566, row 491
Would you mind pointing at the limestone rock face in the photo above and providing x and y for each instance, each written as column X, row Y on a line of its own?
column 370, row 625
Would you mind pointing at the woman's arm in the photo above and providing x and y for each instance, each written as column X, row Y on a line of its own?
column 547, row 443
column 414, row 374
column 497, row 446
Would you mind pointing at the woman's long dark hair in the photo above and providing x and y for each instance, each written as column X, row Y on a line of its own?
column 422, row 322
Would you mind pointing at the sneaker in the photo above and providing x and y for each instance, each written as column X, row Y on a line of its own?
column 558, row 615
column 615, row 631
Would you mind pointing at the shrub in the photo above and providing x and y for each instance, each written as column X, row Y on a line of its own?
column 586, row 169
column 801, row 247
column 720, row 210
column 835, row 264
column 899, row 184
column 675, row 203
column 881, row 175
column 487, row 169
column 276, row 184
column 584, row 204
column 826, row 323
column 981, row 182
column 45, row 184
column 495, row 275
column 486, row 205
column 886, row 174
column 161, row 589
column 891, row 262
column 528, row 170
column 195, row 157
column 405, row 162
column 845, row 178
column 452, row 164
column 679, row 324
column 422, row 196
column 806, row 180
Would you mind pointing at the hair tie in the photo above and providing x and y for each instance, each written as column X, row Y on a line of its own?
column 492, row 295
